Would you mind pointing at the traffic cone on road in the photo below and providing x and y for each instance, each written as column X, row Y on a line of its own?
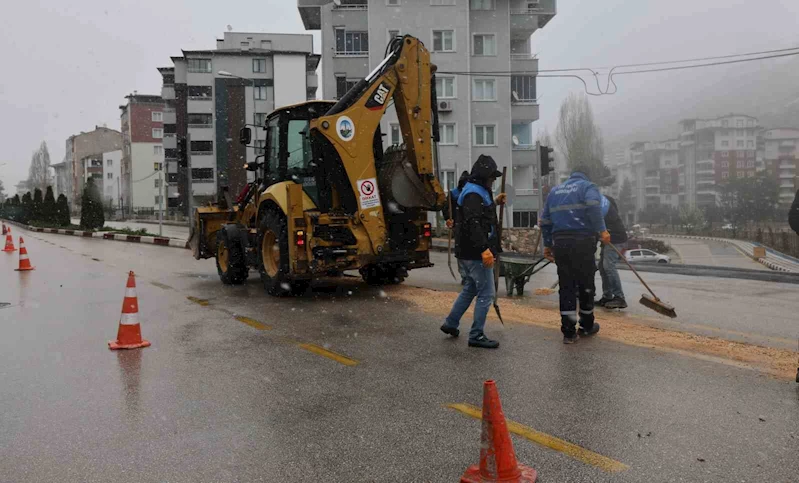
column 129, row 334
column 24, row 261
column 497, row 458
column 9, row 242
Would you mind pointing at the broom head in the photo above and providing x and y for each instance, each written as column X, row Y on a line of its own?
column 657, row 305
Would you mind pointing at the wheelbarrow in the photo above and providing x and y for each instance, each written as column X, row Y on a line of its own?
column 518, row 269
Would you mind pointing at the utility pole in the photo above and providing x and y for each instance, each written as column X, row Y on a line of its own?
column 161, row 200
column 190, row 193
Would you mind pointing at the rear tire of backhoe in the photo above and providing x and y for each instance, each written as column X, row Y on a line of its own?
column 273, row 257
column 230, row 262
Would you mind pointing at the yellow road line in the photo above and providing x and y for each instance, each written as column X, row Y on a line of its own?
column 202, row 302
column 569, row 449
column 252, row 322
column 329, row 354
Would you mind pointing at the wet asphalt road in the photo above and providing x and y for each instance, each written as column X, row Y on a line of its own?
column 706, row 252
column 215, row 399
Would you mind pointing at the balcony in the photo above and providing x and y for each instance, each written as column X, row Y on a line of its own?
column 527, row 16
column 311, row 13
column 523, row 63
column 524, row 155
column 524, row 110
column 311, row 80
column 705, row 182
column 787, row 184
column 787, row 175
column 168, row 91
column 705, row 171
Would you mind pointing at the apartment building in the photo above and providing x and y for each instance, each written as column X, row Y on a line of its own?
column 781, row 151
column 142, row 120
column 70, row 174
column 713, row 151
column 111, row 186
column 489, row 112
column 211, row 94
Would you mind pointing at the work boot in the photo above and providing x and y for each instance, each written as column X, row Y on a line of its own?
column 601, row 302
column 484, row 342
column 587, row 333
column 570, row 339
column 450, row 330
column 616, row 303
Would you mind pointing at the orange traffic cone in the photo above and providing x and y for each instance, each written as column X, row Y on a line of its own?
column 129, row 334
column 497, row 458
column 24, row 261
column 9, row 242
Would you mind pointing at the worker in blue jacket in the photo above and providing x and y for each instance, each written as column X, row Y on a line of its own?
column 570, row 223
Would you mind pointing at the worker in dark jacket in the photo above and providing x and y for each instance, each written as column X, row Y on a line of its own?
column 570, row 223
column 793, row 215
column 453, row 219
column 612, row 293
column 478, row 246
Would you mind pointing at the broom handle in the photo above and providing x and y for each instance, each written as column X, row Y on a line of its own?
column 634, row 270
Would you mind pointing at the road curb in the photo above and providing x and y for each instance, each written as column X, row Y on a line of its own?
column 107, row 235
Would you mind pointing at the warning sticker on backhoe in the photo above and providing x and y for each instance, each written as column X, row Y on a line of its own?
column 367, row 191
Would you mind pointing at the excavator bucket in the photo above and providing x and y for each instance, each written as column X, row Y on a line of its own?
column 400, row 181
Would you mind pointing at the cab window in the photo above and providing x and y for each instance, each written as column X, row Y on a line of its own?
column 273, row 143
column 298, row 146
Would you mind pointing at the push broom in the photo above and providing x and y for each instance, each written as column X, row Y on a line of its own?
column 652, row 302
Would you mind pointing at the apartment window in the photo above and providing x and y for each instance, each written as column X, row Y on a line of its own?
column 484, row 90
column 750, row 144
column 343, row 85
column 170, row 129
column 202, row 175
column 445, row 87
column 393, row 33
column 204, row 120
column 725, row 175
column 739, row 164
column 260, row 146
column 158, row 133
column 157, row 183
column 244, row 45
column 725, row 164
column 266, row 44
column 750, row 163
column 725, row 154
column 157, row 116
column 199, row 65
column 739, row 123
column 725, row 143
column 393, row 3
column 437, row 3
column 169, row 79
column 447, row 180
column 259, row 65
column 260, row 93
column 524, row 88
column 168, row 153
column 157, row 199
column 199, row 92
column 481, row 4
column 485, row 135
column 725, row 123
column 525, row 219
column 750, row 174
column 260, row 119
column 396, row 135
column 109, row 162
column 739, row 144
column 109, row 176
column 739, row 132
column 202, row 147
column 351, row 43
column 741, row 174
column 484, row 44
column 443, row 41
column 750, row 123
column 449, row 133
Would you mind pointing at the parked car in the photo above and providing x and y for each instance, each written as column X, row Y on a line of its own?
column 642, row 255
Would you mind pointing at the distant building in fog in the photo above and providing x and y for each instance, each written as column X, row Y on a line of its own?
column 781, row 149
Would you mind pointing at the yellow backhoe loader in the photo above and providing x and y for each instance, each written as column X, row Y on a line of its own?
column 327, row 196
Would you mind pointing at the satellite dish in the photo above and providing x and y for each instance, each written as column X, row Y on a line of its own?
column 515, row 96
column 229, row 28
column 515, row 140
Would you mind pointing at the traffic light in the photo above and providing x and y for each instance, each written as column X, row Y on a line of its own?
column 547, row 159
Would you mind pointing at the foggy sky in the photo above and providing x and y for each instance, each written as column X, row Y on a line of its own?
column 68, row 65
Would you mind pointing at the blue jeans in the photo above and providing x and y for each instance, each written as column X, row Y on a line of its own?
column 478, row 282
column 611, row 283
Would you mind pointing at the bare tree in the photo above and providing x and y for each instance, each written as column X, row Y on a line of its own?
column 579, row 138
column 39, row 171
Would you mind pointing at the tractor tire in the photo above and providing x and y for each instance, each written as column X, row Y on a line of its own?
column 273, row 256
column 231, row 264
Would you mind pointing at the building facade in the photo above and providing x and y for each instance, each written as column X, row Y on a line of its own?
column 71, row 174
column 781, row 150
column 142, row 121
column 211, row 94
column 112, row 180
column 488, row 112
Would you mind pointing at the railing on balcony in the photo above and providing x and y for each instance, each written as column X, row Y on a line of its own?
column 522, row 56
column 523, row 147
column 351, row 54
column 201, row 126
column 526, row 191
column 530, row 11
column 351, row 7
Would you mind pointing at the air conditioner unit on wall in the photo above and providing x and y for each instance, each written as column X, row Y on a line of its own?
column 444, row 106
